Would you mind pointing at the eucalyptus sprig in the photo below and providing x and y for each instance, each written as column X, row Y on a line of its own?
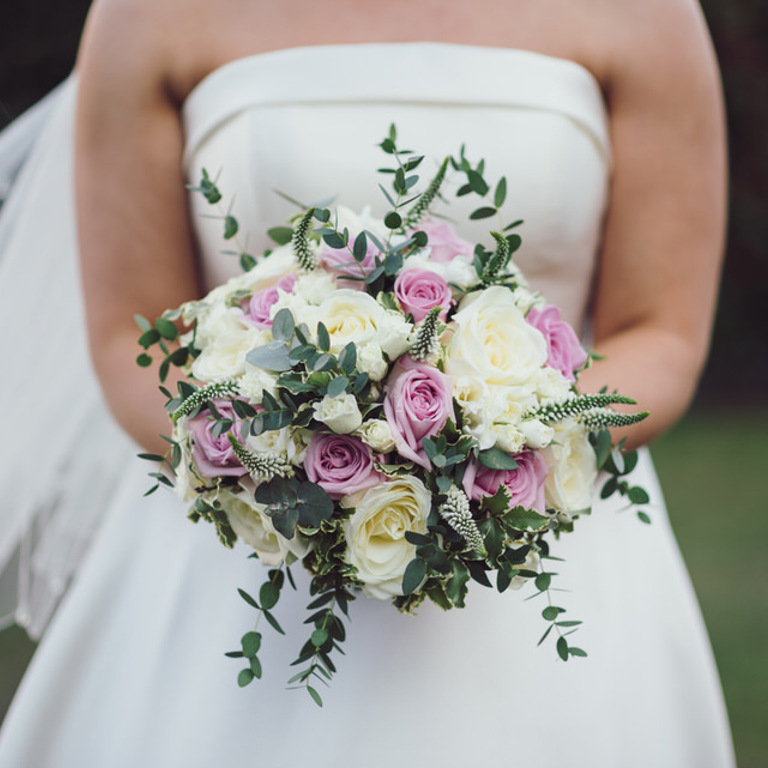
column 209, row 189
column 269, row 594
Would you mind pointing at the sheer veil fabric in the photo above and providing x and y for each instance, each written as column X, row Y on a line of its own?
column 132, row 672
column 62, row 454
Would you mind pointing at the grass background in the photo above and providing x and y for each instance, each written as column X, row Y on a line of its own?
column 712, row 469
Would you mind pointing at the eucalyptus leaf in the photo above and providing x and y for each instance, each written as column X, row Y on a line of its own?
column 271, row 357
column 251, row 643
column 269, row 594
column 484, row 212
column 166, row 328
column 230, row 227
column 337, row 386
column 245, row 677
column 495, row 458
column 285, row 521
column 323, row 339
column 638, row 495
column 283, row 325
column 393, row 220
column 501, row 192
column 319, row 638
column 281, row 235
column 414, row 575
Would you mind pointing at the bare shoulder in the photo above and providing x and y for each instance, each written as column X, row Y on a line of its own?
column 657, row 44
column 147, row 48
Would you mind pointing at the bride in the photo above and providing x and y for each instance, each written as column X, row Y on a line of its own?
column 608, row 118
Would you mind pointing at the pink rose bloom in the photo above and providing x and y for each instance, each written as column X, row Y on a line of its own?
column 214, row 455
column 565, row 352
column 258, row 311
column 443, row 242
column 419, row 290
column 526, row 483
column 340, row 262
column 340, row 464
column 417, row 403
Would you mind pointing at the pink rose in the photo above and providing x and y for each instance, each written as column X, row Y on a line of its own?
column 444, row 244
column 417, row 403
column 526, row 482
column 419, row 290
column 258, row 311
column 565, row 352
column 214, row 455
column 340, row 262
column 340, row 464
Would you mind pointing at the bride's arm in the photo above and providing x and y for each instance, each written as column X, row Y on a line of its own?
column 136, row 247
column 657, row 283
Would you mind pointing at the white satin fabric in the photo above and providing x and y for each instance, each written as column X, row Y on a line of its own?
column 132, row 672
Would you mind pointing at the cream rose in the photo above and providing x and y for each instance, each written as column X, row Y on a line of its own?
column 376, row 434
column 355, row 316
column 340, row 414
column 376, row 543
column 572, row 469
column 493, row 342
column 255, row 528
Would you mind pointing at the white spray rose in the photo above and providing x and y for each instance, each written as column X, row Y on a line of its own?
column 537, row 434
column 377, row 434
column 376, row 543
column 254, row 382
column 370, row 360
column 340, row 414
column 572, row 469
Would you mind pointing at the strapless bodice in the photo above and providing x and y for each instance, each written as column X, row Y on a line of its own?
column 307, row 121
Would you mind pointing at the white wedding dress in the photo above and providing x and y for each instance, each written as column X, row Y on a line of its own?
column 132, row 670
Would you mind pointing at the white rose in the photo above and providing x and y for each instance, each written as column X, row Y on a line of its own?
column 255, row 528
column 509, row 438
column 537, row 434
column 478, row 409
column 356, row 316
column 376, row 543
column 254, row 381
column 552, row 385
column 572, row 469
column 302, row 310
column 370, row 360
column 314, row 286
column 340, row 414
column 377, row 434
column 223, row 357
column 265, row 274
column 527, row 299
column 492, row 341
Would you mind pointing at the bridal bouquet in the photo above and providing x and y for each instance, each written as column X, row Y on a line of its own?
column 387, row 404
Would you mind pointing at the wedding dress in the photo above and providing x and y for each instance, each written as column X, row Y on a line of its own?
column 132, row 670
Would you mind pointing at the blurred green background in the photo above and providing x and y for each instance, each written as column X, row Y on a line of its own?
column 711, row 463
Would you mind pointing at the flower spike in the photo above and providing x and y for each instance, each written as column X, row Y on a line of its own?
column 455, row 511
